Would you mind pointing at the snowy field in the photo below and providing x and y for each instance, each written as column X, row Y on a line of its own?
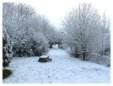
column 62, row 69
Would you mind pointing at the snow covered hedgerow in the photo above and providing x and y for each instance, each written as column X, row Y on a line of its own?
column 22, row 49
column 35, row 46
column 41, row 44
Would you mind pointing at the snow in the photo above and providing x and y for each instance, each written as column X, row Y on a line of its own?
column 43, row 56
column 55, row 46
column 62, row 69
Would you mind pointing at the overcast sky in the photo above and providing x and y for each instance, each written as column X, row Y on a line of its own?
column 56, row 10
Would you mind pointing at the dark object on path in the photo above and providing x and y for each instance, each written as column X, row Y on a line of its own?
column 44, row 58
column 6, row 73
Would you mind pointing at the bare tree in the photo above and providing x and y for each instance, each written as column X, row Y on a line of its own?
column 83, row 25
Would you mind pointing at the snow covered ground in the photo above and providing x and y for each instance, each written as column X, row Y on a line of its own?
column 62, row 69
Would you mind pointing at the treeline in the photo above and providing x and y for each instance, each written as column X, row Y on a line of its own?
column 25, row 32
column 87, row 33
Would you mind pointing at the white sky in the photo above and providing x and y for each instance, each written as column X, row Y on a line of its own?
column 55, row 10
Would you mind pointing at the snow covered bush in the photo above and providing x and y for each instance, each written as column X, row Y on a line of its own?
column 6, row 73
column 40, row 44
column 86, row 31
column 7, row 48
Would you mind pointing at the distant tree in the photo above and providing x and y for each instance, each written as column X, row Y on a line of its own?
column 105, row 35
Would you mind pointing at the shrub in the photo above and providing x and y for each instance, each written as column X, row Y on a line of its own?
column 6, row 73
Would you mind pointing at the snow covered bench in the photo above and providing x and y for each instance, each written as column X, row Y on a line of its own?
column 44, row 58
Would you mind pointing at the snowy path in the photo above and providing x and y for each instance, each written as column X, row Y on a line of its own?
column 62, row 69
